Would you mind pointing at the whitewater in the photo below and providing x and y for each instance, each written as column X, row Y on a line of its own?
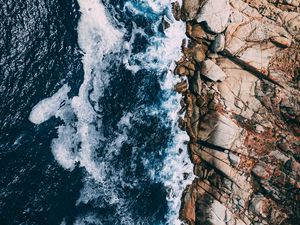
column 121, row 127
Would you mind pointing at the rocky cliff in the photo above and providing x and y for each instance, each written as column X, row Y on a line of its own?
column 240, row 87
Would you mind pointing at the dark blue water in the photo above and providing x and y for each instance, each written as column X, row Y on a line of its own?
column 98, row 163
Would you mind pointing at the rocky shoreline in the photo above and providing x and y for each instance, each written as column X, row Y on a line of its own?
column 240, row 87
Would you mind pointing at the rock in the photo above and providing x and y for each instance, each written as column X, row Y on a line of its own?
column 212, row 71
column 190, row 9
column 259, row 128
column 282, row 41
column 260, row 205
column 226, row 134
column 181, row 87
column 215, row 13
column 237, row 91
column 181, row 70
column 221, row 215
column 262, row 171
column 176, row 10
column 250, row 42
column 244, row 131
column 199, row 54
column 197, row 32
column 211, row 55
column 218, row 44
column 187, row 212
column 197, row 84
column 234, row 159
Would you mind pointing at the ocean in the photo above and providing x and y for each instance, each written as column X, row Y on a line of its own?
column 88, row 113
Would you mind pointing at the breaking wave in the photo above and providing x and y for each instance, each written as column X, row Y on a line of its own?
column 121, row 127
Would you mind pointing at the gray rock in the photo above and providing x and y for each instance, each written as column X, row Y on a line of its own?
column 218, row 44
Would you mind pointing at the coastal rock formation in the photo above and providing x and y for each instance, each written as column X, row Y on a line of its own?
column 240, row 71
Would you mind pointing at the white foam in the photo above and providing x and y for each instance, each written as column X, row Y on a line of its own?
column 80, row 137
column 175, row 165
column 160, row 57
column 96, row 37
column 88, row 219
column 48, row 107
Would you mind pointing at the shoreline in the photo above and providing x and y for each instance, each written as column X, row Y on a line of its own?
column 240, row 86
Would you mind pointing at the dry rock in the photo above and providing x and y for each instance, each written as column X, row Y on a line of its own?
column 212, row 71
column 219, row 43
column 215, row 13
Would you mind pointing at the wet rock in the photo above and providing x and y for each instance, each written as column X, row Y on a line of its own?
column 215, row 13
column 187, row 212
column 181, row 87
column 212, row 71
column 199, row 54
column 196, row 32
column 190, row 9
column 181, row 70
column 176, row 10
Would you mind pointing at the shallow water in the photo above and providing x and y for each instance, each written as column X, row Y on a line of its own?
column 88, row 130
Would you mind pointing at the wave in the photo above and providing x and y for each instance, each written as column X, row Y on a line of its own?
column 124, row 165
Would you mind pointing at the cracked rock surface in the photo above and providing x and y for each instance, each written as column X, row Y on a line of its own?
column 240, row 72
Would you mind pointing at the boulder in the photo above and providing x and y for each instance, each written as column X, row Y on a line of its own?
column 199, row 54
column 212, row 71
column 215, row 13
column 190, row 9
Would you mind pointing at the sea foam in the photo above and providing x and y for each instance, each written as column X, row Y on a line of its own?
column 81, row 135
column 48, row 107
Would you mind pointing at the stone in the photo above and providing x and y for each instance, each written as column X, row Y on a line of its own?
column 238, row 90
column 234, row 159
column 181, row 87
column 190, row 9
column 199, row 54
column 226, row 133
column 260, row 205
column 282, row 41
column 181, row 70
column 221, row 215
column 215, row 13
column 187, row 212
column 259, row 128
column 197, row 32
column 244, row 130
column 212, row 71
column 218, row 44
column 260, row 170
column 176, row 10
